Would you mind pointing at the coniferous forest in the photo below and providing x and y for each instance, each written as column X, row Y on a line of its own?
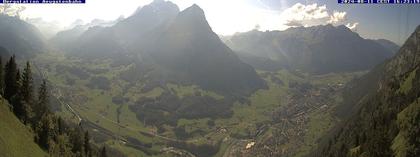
column 31, row 106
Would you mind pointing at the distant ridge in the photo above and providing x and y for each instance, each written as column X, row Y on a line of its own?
column 317, row 49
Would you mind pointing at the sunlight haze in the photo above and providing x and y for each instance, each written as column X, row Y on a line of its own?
column 225, row 17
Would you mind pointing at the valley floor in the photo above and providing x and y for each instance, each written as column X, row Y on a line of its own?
column 285, row 119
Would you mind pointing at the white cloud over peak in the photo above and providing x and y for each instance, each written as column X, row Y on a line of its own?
column 352, row 26
column 340, row 18
column 337, row 17
column 313, row 14
column 299, row 14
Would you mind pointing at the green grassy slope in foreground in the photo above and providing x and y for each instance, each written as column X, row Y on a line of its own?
column 15, row 138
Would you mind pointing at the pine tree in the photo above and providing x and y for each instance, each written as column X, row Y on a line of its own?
column 76, row 139
column 10, row 80
column 21, row 108
column 103, row 152
column 27, row 84
column 88, row 149
column 62, row 147
column 45, row 131
column 42, row 103
column 51, row 132
column 26, row 94
column 61, row 126
column 1, row 76
column 16, row 98
column 27, row 113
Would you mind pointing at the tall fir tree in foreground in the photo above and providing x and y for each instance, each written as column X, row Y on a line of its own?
column 27, row 84
column 103, row 152
column 88, row 149
column 1, row 76
column 10, row 80
column 41, row 106
column 22, row 109
column 26, row 92
column 15, row 98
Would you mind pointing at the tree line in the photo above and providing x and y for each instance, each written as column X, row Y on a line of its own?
column 51, row 132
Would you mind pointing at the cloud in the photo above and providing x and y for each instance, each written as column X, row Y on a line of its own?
column 11, row 10
column 294, row 23
column 353, row 26
column 299, row 14
column 337, row 17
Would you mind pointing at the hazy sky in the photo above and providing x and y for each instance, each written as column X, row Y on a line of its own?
column 226, row 17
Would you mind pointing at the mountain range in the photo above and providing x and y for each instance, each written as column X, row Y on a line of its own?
column 177, row 45
column 388, row 45
column 317, row 49
column 133, row 34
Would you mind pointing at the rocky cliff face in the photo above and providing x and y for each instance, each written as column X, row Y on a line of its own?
column 190, row 47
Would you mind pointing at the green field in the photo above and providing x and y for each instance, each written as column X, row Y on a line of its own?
column 15, row 138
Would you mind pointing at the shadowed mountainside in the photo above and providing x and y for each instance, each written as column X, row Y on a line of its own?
column 386, row 114
column 318, row 49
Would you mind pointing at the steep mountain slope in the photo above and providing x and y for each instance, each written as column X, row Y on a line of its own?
column 97, row 42
column 387, row 121
column 63, row 39
column 19, row 37
column 15, row 138
column 132, row 34
column 190, row 47
column 317, row 49
column 391, row 46
column 146, row 24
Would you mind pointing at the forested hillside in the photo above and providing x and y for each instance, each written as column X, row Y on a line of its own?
column 33, row 120
column 386, row 121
